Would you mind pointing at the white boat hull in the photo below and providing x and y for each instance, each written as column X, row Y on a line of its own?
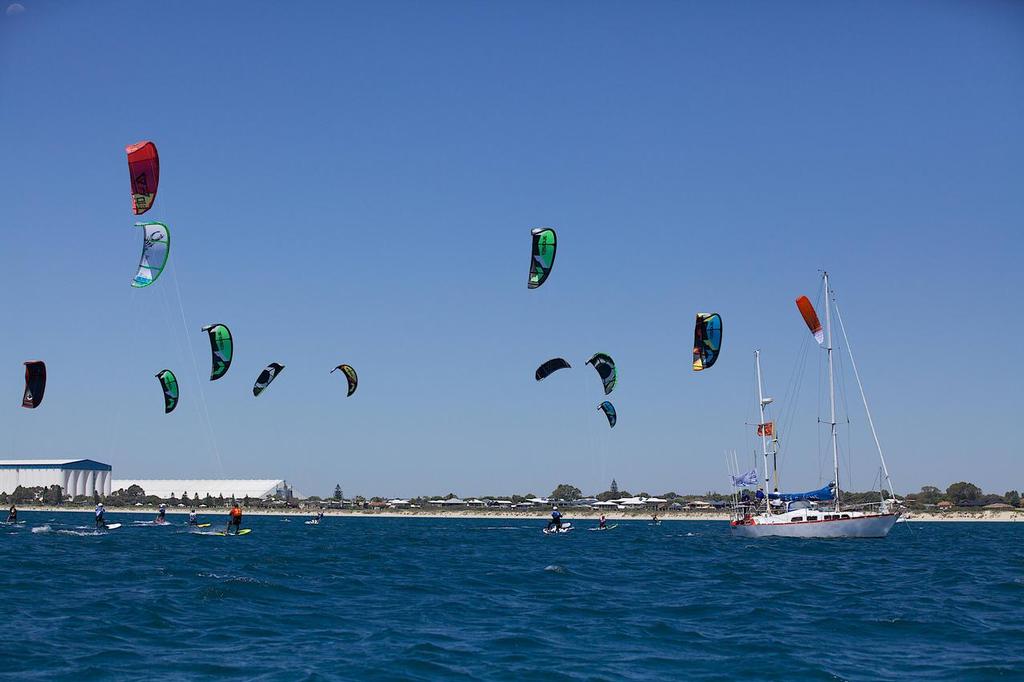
column 867, row 526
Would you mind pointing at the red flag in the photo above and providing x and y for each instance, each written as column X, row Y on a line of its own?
column 767, row 429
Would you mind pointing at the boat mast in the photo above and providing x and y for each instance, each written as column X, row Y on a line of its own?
column 831, row 387
column 864, row 399
column 764, row 439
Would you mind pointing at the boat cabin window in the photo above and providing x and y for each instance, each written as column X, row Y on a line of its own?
column 846, row 516
column 812, row 518
column 797, row 519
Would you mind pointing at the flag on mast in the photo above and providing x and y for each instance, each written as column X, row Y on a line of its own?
column 745, row 480
column 766, row 429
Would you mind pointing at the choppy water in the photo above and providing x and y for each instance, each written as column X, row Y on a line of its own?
column 422, row 599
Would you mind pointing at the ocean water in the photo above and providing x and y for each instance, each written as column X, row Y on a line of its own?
column 425, row 599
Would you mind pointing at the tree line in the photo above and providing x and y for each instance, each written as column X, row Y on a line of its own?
column 959, row 494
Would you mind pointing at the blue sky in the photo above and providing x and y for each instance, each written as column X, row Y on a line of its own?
column 356, row 182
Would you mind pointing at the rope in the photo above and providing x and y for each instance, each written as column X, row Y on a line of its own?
column 195, row 367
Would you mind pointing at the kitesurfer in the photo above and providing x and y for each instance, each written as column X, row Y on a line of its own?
column 602, row 524
column 192, row 520
column 100, row 511
column 654, row 519
column 320, row 516
column 556, row 519
column 12, row 515
column 161, row 516
column 234, row 519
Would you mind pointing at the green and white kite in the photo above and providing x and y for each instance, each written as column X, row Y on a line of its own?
column 156, row 248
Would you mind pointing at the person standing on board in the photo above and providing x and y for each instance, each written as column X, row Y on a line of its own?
column 12, row 515
column 320, row 516
column 161, row 516
column 602, row 524
column 192, row 520
column 234, row 519
column 100, row 511
column 556, row 519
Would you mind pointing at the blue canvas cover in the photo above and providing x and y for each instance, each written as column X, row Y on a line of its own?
column 825, row 493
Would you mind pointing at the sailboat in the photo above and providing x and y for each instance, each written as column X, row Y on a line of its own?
column 817, row 513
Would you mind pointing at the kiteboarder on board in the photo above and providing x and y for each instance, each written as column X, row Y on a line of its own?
column 602, row 524
column 234, row 520
column 12, row 515
column 161, row 516
column 100, row 511
column 192, row 520
column 556, row 519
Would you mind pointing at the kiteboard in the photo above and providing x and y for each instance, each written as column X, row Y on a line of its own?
column 244, row 531
column 203, row 525
column 313, row 522
column 566, row 527
column 614, row 525
column 111, row 526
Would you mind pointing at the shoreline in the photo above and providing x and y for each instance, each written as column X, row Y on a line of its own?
column 911, row 517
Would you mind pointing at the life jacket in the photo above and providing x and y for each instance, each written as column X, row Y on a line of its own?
column 236, row 513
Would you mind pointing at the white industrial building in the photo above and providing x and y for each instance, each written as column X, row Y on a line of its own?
column 76, row 477
column 228, row 488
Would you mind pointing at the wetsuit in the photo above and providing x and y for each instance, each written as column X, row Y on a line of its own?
column 556, row 520
column 192, row 521
column 100, row 521
column 12, row 516
column 235, row 521
column 319, row 517
column 161, row 516
column 603, row 524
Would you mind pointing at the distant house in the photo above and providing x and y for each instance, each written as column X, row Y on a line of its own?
column 449, row 504
column 605, row 505
column 998, row 505
column 698, row 504
column 638, row 503
column 475, row 503
column 398, row 503
column 944, row 504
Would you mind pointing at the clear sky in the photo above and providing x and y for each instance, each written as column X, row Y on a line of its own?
column 356, row 182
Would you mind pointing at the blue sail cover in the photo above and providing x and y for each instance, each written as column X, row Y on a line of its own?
column 825, row 493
